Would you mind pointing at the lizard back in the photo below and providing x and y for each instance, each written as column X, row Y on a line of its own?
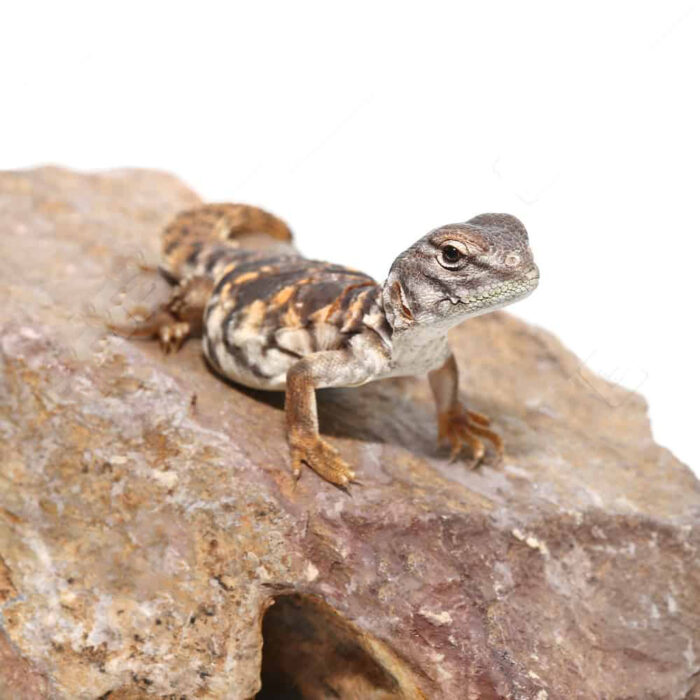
column 269, row 305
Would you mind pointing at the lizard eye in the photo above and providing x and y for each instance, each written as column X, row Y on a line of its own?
column 451, row 255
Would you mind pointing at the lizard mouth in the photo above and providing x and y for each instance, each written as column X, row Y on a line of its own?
column 496, row 296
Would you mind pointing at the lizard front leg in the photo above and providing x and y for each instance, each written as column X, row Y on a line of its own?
column 321, row 369
column 457, row 424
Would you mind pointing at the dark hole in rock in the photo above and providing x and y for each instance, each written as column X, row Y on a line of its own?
column 310, row 651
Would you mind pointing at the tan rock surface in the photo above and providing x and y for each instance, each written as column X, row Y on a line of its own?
column 148, row 519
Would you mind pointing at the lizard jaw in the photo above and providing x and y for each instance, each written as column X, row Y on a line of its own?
column 496, row 296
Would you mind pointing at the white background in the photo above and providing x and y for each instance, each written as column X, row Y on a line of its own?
column 365, row 125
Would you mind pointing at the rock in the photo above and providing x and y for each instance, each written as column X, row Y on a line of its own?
column 151, row 537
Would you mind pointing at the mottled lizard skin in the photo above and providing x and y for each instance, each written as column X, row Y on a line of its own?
column 271, row 319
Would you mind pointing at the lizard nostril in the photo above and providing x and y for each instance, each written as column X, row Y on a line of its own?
column 512, row 260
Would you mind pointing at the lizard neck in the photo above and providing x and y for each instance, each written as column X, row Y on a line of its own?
column 416, row 348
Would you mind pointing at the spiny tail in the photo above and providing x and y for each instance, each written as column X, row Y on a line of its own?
column 214, row 228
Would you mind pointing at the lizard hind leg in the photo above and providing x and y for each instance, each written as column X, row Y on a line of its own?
column 456, row 424
column 180, row 318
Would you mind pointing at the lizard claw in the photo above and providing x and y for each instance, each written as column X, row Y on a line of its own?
column 478, row 418
column 170, row 332
column 147, row 328
column 173, row 322
column 323, row 458
column 172, row 335
column 460, row 426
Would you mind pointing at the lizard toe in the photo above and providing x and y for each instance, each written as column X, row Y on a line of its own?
column 461, row 427
column 478, row 418
column 324, row 459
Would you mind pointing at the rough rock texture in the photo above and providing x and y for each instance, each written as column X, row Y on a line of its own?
column 150, row 533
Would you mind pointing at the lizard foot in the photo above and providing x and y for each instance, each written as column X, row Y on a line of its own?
column 171, row 332
column 459, row 426
column 323, row 458
column 175, row 321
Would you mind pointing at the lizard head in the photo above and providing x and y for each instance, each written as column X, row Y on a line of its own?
column 460, row 270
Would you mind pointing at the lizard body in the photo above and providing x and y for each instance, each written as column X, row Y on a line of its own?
column 271, row 319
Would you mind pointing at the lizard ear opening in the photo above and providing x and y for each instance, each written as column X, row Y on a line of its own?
column 398, row 299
